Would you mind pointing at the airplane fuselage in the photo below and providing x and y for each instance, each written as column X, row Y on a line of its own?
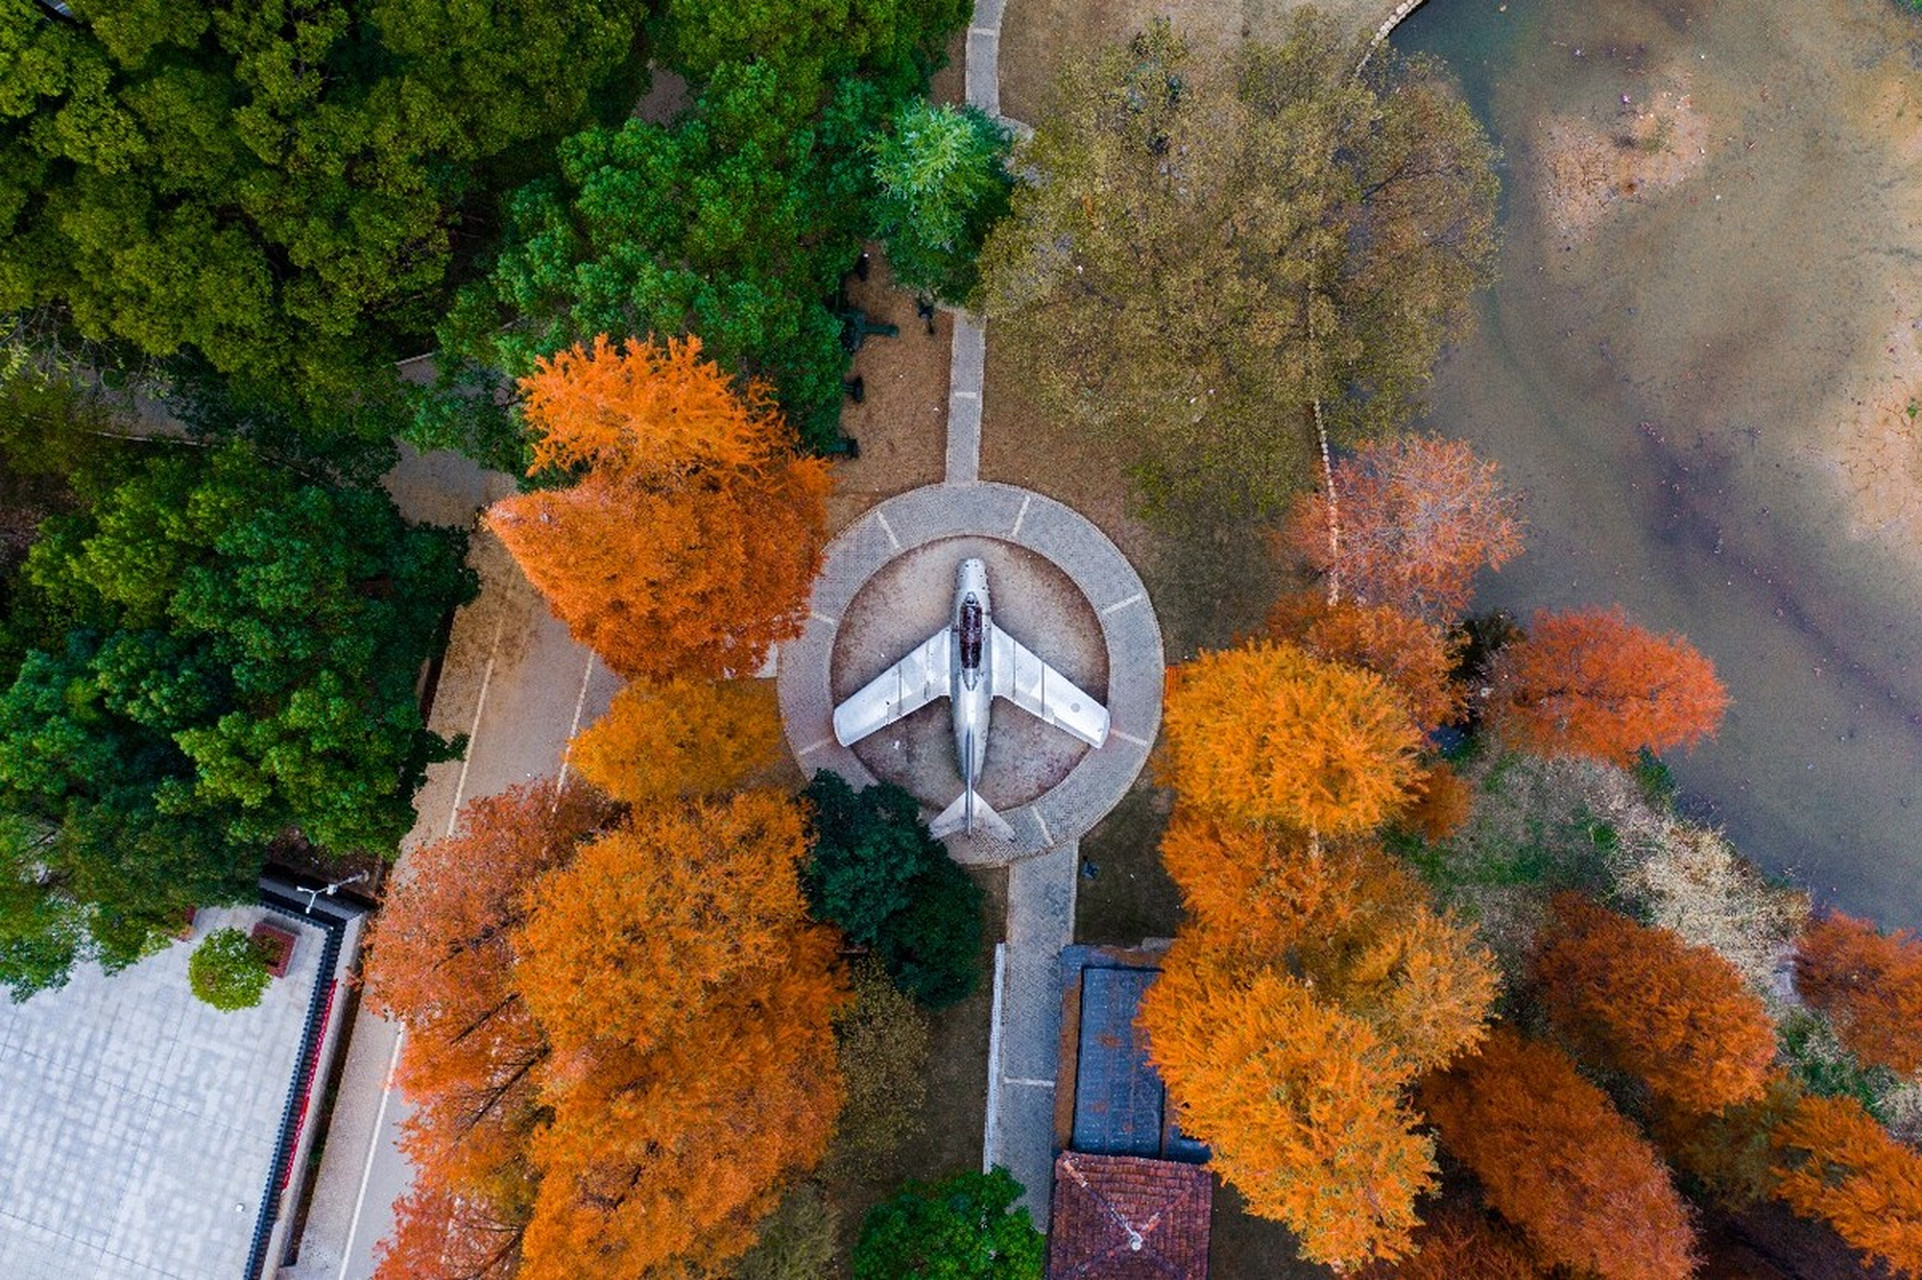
column 973, row 685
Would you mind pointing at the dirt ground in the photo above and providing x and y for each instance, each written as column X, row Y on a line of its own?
column 902, row 424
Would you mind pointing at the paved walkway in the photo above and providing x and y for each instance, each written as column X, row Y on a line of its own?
column 1024, row 1045
column 518, row 685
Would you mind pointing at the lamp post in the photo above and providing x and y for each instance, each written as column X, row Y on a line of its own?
column 313, row 895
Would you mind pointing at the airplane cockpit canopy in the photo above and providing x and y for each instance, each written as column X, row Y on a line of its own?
column 972, row 633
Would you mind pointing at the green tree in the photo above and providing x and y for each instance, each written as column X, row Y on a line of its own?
column 283, row 191
column 1214, row 245
column 735, row 224
column 965, row 1227
column 943, row 184
column 228, row 656
column 875, row 873
column 42, row 932
column 227, row 971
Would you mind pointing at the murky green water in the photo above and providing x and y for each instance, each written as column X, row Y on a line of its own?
column 1705, row 393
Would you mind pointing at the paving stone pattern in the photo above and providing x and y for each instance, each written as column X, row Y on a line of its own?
column 1041, row 893
column 137, row 1125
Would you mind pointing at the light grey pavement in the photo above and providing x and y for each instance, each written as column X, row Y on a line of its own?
column 1024, row 1057
column 519, row 686
column 138, row 1126
column 1040, row 525
column 965, row 373
column 983, row 88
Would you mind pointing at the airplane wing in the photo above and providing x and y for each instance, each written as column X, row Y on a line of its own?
column 910, row 684
column 1040, row 690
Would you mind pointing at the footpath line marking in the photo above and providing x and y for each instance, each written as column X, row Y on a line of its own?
column 1047, row 838
column 480, row 705
column 1032, row 1084
column 567, row 750
column 827, row 618
column 964, row 395
column 882, row 518
column 812, row 747
column 1128, row 737
column 1020, row 515
column 373, row 1149
column 1119, row 605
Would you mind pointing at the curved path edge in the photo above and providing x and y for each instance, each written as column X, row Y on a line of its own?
column 1049, row 529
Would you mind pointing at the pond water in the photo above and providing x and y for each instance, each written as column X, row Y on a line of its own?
column 1702, row 364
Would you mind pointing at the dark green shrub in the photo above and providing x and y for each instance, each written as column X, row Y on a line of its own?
column 943, row 185
column 965, row 1227
column 876, row 874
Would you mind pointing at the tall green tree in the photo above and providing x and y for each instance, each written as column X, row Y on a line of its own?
column 735, row 224
column 227, row 657
column 1213, row 245
column 943, row 183
column 280, row 190
column 874, row 872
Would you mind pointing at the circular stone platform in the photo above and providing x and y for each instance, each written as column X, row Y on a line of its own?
column 1058, row 585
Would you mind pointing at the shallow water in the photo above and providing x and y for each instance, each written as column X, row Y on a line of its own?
column 1701, row 365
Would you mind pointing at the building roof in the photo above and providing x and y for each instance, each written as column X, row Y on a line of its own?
column 1119, row 1104
column 1129, row 1218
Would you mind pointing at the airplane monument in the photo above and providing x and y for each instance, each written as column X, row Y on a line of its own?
column 971, row 662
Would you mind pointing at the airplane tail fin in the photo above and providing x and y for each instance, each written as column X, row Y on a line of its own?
column 971, row 813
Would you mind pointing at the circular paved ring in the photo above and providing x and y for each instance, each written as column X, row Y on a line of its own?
column 1058, row 533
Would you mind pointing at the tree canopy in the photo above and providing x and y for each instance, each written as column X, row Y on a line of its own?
column 1415, row 518
column 1678, row 1017
column 965, row 1227
column 1558, row 1161
column 1266, row 733
column 689, row 541
column 684, row 738
column 1300, row 1102
column 943, row 184
column 283, row 192
column 1833, row 1162
column 1870, row 985
column 1593, row 683
column 1413, row 655
column 226, row 655
column 621, row 1037
column 874, row 872
column 1214, row 244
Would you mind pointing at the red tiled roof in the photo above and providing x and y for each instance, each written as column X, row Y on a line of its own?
column 1129, row 1218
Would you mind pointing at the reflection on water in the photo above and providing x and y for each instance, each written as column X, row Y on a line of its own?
column 1703, row 364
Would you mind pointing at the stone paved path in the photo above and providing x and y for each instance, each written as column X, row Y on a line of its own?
column 1024, row 1057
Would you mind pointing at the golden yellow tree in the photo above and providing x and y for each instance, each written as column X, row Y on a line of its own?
column 684, row 738
column 1415, row 656
column 1300, row 1103
column 1835, row 1163
column 693, row 529
column 689, row 1003
column 1267, row 733
column 1344, row 917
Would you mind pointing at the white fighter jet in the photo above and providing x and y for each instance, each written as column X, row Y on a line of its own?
column 971, row 662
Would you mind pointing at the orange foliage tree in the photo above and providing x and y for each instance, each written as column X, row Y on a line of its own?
column 1558, row 1161
column 689, row 539
column 1267, row 733
column 1346, row 919
column 1461, row 1244
column 1641, row 999
column 1300, row 1103
column 1419, row 516
column 1412, row 654
column 1443, row 802
column 440, row 964
column 1592, row 683
column 684, row 738
column 1870, row 986
column 689, row 1002
column 1835, row 1163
